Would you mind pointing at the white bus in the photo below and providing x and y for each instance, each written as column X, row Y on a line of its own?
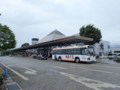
column 74, row 53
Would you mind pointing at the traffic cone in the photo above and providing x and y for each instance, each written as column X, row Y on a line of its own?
column 6, row 74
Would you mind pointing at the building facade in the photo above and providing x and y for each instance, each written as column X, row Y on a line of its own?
column 57, row 39
column 103, row 47
column 52, row 40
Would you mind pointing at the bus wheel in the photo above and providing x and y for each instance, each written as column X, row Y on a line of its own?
column 77, row 60
column 59, row 59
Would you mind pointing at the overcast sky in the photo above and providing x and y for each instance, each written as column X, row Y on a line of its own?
column 37, row 18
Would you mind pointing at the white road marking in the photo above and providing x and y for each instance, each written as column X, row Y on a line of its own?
column 58, row 67
column 30, row 71
column 98, row 66
column 90, row 83
column 20, row 75
column 106, row 66
column 94, row 70
column 81, row 67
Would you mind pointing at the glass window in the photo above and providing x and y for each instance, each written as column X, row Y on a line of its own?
column 90, row 51
column 116, row 51
column 59, row 52
column 55, row 52
column 83, row 51
column 64, row 51
column 77, row 51
column 70, row 51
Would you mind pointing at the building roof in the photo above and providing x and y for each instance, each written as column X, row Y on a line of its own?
column 52, row 36
column 61, row 41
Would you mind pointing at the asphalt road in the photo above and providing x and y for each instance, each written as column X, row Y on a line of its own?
column 33, row 74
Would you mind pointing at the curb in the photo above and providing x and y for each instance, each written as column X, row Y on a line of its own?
column 11, row 85
column 8, row 83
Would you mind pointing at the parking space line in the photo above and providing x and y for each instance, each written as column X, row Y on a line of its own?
column 90, row 83
column 20, row 75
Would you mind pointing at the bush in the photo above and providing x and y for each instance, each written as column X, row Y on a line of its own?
column 1, row 76
column 118, row 60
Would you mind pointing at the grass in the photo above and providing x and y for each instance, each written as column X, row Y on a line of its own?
column 118, row 60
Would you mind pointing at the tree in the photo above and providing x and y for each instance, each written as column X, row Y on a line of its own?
column 7, row 38
column 25, row 44
column 91, row 32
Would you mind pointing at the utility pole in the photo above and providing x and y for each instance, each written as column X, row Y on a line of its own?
column 102, row 48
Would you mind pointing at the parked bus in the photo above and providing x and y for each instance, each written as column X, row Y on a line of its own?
column 74, row 53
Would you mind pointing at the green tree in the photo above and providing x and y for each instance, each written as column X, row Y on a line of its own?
column 25, row 44
column 7, row 38
column 91, row 32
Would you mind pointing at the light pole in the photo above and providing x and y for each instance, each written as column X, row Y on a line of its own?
column 102, row 48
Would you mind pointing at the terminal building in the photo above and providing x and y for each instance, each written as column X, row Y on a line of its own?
column 53, row 40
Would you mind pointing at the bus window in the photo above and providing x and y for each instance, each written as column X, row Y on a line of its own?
column 83, row 51
column 77, row 51
column 70, row 51
column 54, row 52
column 64, row 51
column 59, row 52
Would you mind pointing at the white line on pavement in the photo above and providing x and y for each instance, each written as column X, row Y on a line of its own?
column 106, row 66
column 81, row 67
column 30, row 69
column 94, row 70
column 98, row 66
column 58, row 67
column 20, row 75
column 90, row 83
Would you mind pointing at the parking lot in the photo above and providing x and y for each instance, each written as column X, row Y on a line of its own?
column 33, row 74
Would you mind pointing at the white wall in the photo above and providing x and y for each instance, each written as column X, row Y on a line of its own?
column 106, row 46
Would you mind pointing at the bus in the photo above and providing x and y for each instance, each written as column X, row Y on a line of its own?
column 74, row 53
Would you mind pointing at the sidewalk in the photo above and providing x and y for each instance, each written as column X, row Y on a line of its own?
column 8, row 83
column 11, row 85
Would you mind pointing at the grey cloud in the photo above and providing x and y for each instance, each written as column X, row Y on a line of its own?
column 37, row 18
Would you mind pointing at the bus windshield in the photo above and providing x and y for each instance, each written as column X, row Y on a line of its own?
column 90, row 51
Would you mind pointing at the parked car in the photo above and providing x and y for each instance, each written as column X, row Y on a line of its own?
column 112, row 56
column 118, row 56
column 34, row 56
column 41, row 57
